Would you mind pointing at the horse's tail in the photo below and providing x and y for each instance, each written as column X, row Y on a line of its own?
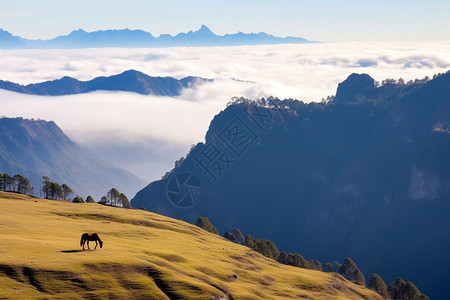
column 81, row 241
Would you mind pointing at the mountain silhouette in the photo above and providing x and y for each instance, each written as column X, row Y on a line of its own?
column 129, row 81
column 126, row 38
column 8, row 41
column 36, row 148
column 98, row 39
column 365, row 176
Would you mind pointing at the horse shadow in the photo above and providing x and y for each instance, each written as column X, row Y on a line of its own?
column 71, row 251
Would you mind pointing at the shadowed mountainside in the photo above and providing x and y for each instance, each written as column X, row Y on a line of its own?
column 365, row 175
column 36, row 148
column 128, row 81
column 144, row 256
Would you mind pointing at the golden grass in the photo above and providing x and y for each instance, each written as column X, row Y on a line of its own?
column 145, row 256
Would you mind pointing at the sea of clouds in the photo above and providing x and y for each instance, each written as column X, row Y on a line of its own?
column 146, row 134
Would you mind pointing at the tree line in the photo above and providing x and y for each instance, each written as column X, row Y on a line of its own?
column 114, row 198
column 54, row 191
column 78, row 199
column 20, row 184
column 397, row 290
column 16, row 184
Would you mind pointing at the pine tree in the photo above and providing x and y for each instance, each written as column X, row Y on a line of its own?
column 396, row 289
column 55, row 191
column 412, row 292
column 296, row 260
column 78, row 199
column 348, row 268
column 239, row 236
column 205, row 224
column 7, row 183
column 377, row 284
column 124, row 201
column 113, row 196
column 46, row 186
column 272, row 250
column 66, row 191
column 229, row 236
column 399, row 290
column 316, row 265
column 329, row 267
column 265, row 247
column 103, row 200
column 359, row 277
column 21, row 184
column 250, row 241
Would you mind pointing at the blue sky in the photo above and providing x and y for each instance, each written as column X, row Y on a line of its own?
column 323, row 20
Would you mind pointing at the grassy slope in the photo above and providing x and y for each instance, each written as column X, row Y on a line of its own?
column 145, row 256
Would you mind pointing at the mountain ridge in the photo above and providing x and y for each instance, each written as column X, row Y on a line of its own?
column 126, row 38
column 127, row 81
column 36, row 148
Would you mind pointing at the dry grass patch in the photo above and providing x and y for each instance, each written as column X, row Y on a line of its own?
column 145, row 256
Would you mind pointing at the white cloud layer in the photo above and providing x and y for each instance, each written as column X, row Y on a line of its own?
column 146, row 134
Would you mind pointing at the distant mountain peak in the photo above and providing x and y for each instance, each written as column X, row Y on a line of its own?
column 127, row 38
column 205, row 30
column 76, row 33
column 79, row 31
column 132, row 71
column 9, row 41
column 354, row 87
column 34, row 148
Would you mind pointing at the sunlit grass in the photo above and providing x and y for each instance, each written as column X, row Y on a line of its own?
column 144, row 256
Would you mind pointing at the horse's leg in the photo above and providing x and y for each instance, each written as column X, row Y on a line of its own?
column 88, row 244
column 95, row 245
column 83, row 242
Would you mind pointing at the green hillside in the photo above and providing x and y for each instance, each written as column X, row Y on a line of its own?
column 144, row 256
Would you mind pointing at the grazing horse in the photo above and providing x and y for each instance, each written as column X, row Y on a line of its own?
column 86, row 237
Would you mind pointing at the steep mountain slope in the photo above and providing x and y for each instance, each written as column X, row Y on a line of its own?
column 127, row 38
column 129, row 81
column 366, row 175
column 36, row 148
column 144, row 256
